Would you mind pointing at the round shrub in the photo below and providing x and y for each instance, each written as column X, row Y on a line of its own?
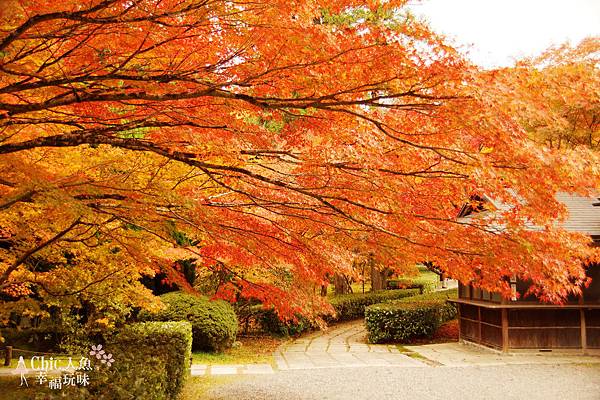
column 270, row 322
column 214, row 323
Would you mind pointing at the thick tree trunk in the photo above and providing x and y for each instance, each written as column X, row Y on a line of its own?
column 378, row 278
column 323, row 290
column 341, row 284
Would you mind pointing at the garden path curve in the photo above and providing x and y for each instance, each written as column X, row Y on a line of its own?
column 342, row 345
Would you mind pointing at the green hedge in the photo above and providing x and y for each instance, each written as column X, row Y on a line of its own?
column 37, row 339
column 151, row 362
column 352, row 306
column 347, row 307
column 424, row 285
column 214, row 323
column 410, row 317
column 270, row 322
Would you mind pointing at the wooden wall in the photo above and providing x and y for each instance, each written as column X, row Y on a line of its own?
column 481, row 325
column 530, row 328
column 592, row 320
column 541, row 329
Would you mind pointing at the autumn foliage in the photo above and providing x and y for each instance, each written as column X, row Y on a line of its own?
column 281, row 138
column 554, row 96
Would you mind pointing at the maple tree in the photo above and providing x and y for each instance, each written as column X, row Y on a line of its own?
column 275, row 140
column 555, row 96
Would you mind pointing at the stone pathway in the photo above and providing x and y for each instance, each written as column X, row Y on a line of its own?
column 343, row 345
column 216, row 370
column 466, row 355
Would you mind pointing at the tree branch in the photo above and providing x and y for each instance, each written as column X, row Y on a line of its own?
column 6, row 274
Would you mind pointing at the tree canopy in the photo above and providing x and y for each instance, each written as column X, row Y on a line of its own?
column 555, row 96
column 274, row 139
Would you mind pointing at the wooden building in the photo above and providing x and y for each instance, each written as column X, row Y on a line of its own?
column 524, row 323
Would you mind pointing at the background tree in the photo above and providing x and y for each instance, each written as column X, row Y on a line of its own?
column 555, row 96
column 277, row 136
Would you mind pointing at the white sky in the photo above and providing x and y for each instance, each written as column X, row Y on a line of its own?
column 500, row 31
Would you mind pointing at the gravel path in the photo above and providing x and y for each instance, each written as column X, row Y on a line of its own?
column 518, row 382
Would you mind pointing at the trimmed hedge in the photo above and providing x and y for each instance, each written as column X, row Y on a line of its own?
column 347, row 307
column 270, row 322
column 214, row 323
column 151, row 362
column 408, row 318
column 352, row 306
column 424, row 285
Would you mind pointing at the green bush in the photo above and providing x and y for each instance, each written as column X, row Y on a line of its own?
column 270, row 322
column 352, row 306
column 448, row 311
column 37, row 339
column 424, row 285
column 410, row 317
column 347, row 307
column 151, row 362
column 214, row 323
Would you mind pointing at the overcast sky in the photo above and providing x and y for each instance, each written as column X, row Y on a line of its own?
column 499, row 31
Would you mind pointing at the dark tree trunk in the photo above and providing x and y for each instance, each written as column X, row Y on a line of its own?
column 341, row 284
column 378, row 278
column 323, row 290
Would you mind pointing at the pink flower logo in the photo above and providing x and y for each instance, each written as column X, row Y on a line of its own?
column 97, row 351
column 108, row 359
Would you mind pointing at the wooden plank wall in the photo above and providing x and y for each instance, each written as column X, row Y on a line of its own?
column 530, row 328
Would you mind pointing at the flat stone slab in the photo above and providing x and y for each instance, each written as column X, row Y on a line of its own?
column 296, row 356
column 372, row 360
column 346, row 358
column 299, row 348
column 224, row 370
column 198, row 369
column 215, row 370
column 257, row 369
column 460, row 355
column 300, row 365
column 379, row 349
column 359, row 348
column 341, row 346
column 338, row 348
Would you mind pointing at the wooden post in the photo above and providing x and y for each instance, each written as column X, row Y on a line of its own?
column 504, row 330
column 7, row 356
column 458, row 305
column 479, row 323
column 583, row 330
